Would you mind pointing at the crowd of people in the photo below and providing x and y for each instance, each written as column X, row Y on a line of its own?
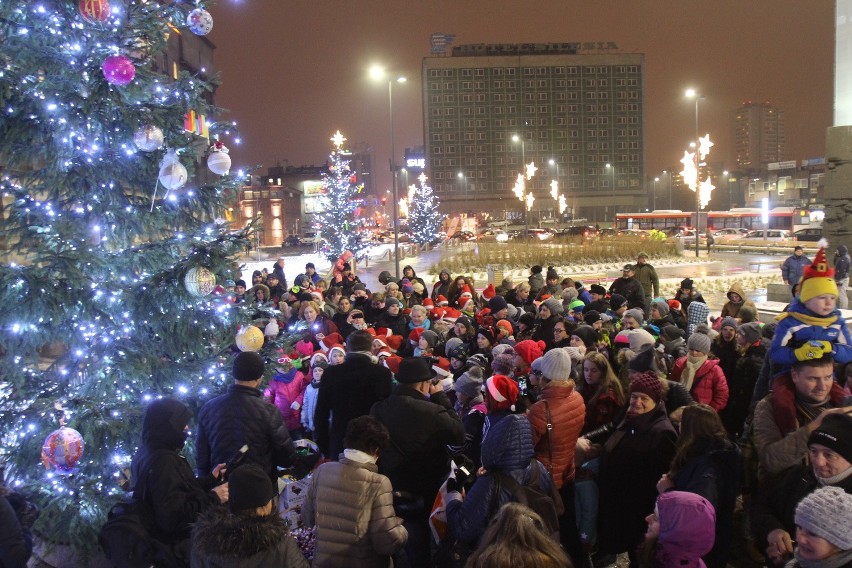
column 647, row 421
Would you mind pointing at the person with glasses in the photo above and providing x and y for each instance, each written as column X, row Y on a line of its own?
column 561, row 338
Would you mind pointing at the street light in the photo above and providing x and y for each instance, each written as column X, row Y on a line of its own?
column 670, row 187
column 693, row 94
column 463, row 181
column 378, row 73
column 727, row 175
column 654, row 197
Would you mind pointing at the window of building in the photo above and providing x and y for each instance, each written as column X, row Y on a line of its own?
column 467, row 85
column 468, row 136
column 449, row 111
column 542, row 83
column 467, row 98
column 437, row 137
column 434, row 72
column 480, row 97
column 480, row 72
column 436, row 112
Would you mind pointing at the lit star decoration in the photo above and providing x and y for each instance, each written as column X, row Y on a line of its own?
column 704, row 145
column 519, row 189
column 563, row 204
column 690, row 172
column 554, row 189
column 530, row 200
column 338, row 139
column 704, row 190
column 422, row 178
column 531, row 170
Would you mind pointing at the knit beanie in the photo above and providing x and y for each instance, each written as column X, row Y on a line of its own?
column 503, row 390
column 503, row 364
column 588, row 335
column 638, row 338
column 430, row 336
column 622, row 338
column 750, row 332
column 576, row 305
column 592, row 316
column 536, row 269
column 817, row 279
column 458, row 352
column 504, row 326
column 407, row 288
column 470, row 382
column 465, row 321
column 527, row 319
column 827, row 513
column 597, row 289
column 662, row 307
column 616, row 301
column 835, row 433
column 249, row 487
column 451, row 344
column 729, row 322
column 391, row 301
column 747, row 313
column 555, row 365
column 554, row 305
column 699, row 342
column 487, row 334
column 675, row 305
column 670, row 332
column 248, row 366
column 530, row 350
column 489, row 292
column 551, row 274
column 636, row 314
column 569, row 295
column 644, row 360
column 497, row 303
column 647, row 383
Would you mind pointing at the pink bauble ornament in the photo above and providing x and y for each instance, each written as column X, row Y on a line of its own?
column 94, row 10
column 62, row 449
column 118, row 70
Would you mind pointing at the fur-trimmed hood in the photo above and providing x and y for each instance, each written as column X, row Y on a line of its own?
column 218, row 533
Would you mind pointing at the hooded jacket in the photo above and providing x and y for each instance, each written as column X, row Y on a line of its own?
column 686, row 530
column 730, row 308
column 284, row 389
column 709, row 385
column 223, row 540
column 793, row 267
column 536, row 282
column 841, row 263
column 799, row 325
column 351, row 505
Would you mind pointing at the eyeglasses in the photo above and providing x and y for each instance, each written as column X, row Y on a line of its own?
column 558, row 330
column 358, row 316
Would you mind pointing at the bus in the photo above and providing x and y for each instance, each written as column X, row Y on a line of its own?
column 660, row 219
column 787, row 218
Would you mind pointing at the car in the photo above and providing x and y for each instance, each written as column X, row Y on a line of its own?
column 587, row 232
column 811, row 234
column 637, row 233
column 501, row 236
column 463, row 236
column 293, row 241
column 729, row 233
column 775, row 235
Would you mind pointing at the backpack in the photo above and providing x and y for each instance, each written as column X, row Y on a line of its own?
column 548, row 505
column 126, row 538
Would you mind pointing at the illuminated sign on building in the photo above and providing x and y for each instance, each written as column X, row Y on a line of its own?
column 415, row 163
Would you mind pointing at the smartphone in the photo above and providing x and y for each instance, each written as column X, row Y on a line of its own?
column 235, row 460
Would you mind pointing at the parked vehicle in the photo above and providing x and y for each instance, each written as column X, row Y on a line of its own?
column 775, row 235
column 729, row 233
column 587, row 232
column 463, row 236
column 293, row 241
column 811, row 234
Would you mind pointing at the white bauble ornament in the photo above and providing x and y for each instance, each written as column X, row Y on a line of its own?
column 249, row 338
column 199, row 281
column 219, row 163
column 172, row 173
column 200, row 21
column 148, row 138
column 271, row 329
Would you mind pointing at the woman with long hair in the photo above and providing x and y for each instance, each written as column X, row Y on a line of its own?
column 707, row 463
column 601, row 391
column 516, row 539
column 318, row 324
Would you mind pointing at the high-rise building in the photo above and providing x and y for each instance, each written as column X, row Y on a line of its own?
column 575, row 110
column 759, row 136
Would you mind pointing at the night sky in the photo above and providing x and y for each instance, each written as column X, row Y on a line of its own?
column 294, row 71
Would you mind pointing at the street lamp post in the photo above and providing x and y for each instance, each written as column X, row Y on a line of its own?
column 670, row 187
column 378, row 73
column 693, row 94
column 727, row 175
column 654, row 196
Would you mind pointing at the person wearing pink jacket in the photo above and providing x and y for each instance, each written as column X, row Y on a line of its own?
column 286, row 391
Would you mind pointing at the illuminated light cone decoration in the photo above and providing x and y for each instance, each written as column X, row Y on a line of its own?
column 690, row 170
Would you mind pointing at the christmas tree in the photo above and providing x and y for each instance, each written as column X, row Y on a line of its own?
column 112, row 245
column 423, row 217
column 337, row 221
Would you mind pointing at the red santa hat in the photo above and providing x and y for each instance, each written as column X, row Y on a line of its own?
column 331, row 340
column 451, row 315
column 382, row 332
column 381, row 341
column 428, row 303
column 442, row 300
column 394, row 342
column 318, row 356
column 316, row 295
column 336, row 348
column 415, row 334
column 384, row 352
column 489, row 292
column 392, row 363
column 503, row 390
column 465, row 291
column 441, row 367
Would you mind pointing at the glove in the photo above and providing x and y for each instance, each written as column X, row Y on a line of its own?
column 454, row 485
column 812, row 350
column 295, row 406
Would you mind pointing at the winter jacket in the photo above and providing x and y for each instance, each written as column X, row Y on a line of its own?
column 309, row 405
column 740, row 388
column 675, row 395
column 324, row 325
column 793, row 267
column 473, row 418
column 709, row 385
column 684, row 536
column 675, row 349
column 351, row 505
column 727, row 354
column 696, row 315
column 241, row 417
column 632, row 461
column 841, row 263
column 686, row 299
column 397, row 325
column 647, row 277
column 347, row 391
column 507, row 448
column 223, row 540
column 536, row 283
column 16, row 542
column 631, row 289
column 279, row 272
column 284, row 389
column 715, row 475
column 780, row 431
column 799, row 325
column 730, row 309
column 544, row 330
column 417, row 459
column 775, row 506
column 567, row 414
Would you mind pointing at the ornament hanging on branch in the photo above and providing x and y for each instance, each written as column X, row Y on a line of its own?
column 199, row 281
column 118, row 70
column 218, row 160
column 172, row 173
column 148, row 138
column 94, row 10
column 200, row 22
column 62, row 449
column 249, row 338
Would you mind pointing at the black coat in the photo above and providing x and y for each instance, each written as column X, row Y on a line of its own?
column 347, row 391
column 16, row 542
column 222, row 540
column 417, row 459
column 398, row 325
column 631, row 289
column 635, row 456
column 741, row 387
column 238, row 417
column 715, row 475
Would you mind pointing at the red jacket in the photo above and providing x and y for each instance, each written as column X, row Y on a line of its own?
column 709, row 385
column 567, row 413
column 284, row 390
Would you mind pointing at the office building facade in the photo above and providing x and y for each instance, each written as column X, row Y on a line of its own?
column 759, row 137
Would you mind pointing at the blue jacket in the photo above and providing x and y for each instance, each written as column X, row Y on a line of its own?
column 798, row 325
column 791, row 270
column 841, row 263
column 507, row 447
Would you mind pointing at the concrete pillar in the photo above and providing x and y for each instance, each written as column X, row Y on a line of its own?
column 837, row 226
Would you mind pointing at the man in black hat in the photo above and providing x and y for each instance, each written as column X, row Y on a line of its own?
column 240, row 417
column 599, row 302
column 422, row 424
column 629, row 287
column 688, row 294
column 311, row 272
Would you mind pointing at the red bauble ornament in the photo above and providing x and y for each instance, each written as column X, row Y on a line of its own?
column 94, row 10
column 62, row 449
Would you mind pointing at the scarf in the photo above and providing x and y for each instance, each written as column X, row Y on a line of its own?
column 689, row 370
column 837, row 561
column 836, row 480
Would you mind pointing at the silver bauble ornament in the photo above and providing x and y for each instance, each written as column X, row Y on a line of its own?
column 148, row 138
column 199, row 281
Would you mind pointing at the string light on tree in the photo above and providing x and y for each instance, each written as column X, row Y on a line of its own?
column 424, row 221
